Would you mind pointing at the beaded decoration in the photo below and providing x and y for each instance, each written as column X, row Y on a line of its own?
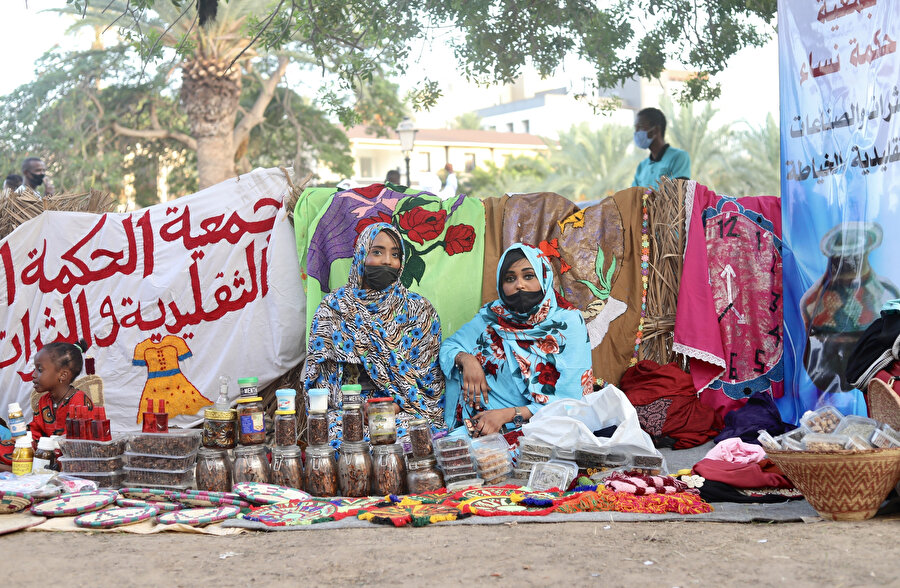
column 645, row 274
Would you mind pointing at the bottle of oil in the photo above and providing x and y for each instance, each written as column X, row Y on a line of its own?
column 23, row 455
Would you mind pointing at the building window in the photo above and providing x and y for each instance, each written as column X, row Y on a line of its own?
column 492, row 128
column 426, row 162
column 526, row 126
column 365, row 167
column 510, row 127
column 470, row 162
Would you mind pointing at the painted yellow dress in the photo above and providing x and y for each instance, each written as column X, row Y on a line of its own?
column 164, row 378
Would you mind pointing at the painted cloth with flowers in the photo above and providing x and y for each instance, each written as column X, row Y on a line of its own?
column 386, row 340
column 529, row 358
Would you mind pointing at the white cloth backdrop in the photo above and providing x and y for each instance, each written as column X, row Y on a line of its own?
column 215, row 272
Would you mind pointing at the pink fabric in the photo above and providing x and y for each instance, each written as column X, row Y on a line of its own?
column 734, row 450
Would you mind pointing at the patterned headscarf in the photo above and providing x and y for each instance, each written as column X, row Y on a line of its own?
column 393, row 334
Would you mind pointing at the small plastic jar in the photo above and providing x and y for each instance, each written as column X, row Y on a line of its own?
column 388, row 470
column 318, row 399
column 420, row 438
column 287, row 399
column 321, row 471
column 213, row 472
column 354, row 469
column 251, row 421
column 285, row 428
column 219, row 429
column 351, row 393
column 352, row 422
column 423, row 476
column 249, row 387
column 251, row 464
column 382, row 421
column 317, row 428
column 287, row 467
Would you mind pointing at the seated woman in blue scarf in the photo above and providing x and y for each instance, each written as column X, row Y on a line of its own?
column 519, row 353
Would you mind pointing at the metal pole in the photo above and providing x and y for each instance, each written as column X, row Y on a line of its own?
column 408, row 183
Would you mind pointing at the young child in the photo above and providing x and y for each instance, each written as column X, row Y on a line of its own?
column 56, row 365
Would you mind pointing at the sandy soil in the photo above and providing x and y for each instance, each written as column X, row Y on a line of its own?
column 596, row 554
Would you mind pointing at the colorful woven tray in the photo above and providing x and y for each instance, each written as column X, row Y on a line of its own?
column 158, row 505
column 417, row 514
column 261, row 493
column 197, row 517
column 491, row 506
column 206, row 498
column 352, row 506
column 115, row 517
column 150, row 494
column 11, row 502
column 294, row 512
column 74, row 504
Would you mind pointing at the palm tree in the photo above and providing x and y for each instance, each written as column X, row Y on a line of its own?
column 757, row 166
column 692, row 132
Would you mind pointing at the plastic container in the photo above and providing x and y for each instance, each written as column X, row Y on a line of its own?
column 420, row 438
column 321, row 471
column 590, row 456
column 213, row 471
column 825, row 442
column 492, row 458
column 318, row 399
column 768, row 441
column 317, row 428
column 789, row 443
column 388, row 470
column 463, row 484
column 249, row 387
column 113, row 480
column 857, row 425
column 251, row 425
column 382, row 421
column 616, row 458
column 354, row 469
column 177, row 443
column 647, row 464
column 86, row 448
column 448, row 448
column 564, row 453
column 286, row 399
column 23, row 455
column 822, row 420
column 535, row 447
column 547, row 475
column 285, row 428
column 885, row 438
column 98, row 465
column 351, row 393
column 159, row 462
column 251, row 464
column 423, row 475
column 141, row 477
column 287, row 467
column 857, row 443
column 17, row 426
column 44, row 461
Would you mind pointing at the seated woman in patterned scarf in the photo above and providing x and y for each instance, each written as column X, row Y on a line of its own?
column 376, row 333
column 519, row 353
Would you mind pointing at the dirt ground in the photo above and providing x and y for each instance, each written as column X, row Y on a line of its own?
column 547, row 554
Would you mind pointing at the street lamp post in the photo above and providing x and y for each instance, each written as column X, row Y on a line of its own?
column 406, row 131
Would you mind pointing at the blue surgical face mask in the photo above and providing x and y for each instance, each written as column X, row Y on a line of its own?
column 642, row 140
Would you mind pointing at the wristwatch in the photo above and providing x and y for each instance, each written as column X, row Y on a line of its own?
column 518, row 420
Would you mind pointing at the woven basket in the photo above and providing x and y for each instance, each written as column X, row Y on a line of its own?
column 842, row 485
column 884, row 403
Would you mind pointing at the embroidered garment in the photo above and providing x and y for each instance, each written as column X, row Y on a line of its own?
column 641, row 485
column 392, row 335
column 527, row 360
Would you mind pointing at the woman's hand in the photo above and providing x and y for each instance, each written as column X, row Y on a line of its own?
column 474, row 385
column 491, row 421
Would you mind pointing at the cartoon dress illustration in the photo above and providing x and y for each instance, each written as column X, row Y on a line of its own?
column 164, row 378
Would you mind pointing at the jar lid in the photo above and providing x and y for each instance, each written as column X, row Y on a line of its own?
column 418, row 422
column 285, row 392
column 249, row 399
column 219, row 415
column 212, row 452
column 422, row 463
column 285, row 412
column 392, row 448
column 320, row 451
column 351, row 388
column 355, row 446
column 247, row 382
column 288, row 451
column 249, row 449
column 317, row 392
column 382, row 399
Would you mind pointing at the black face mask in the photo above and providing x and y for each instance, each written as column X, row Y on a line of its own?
column 379, row 277
column 522, row 301
column 38, row 179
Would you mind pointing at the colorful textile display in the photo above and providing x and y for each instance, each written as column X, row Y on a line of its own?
column 759, row 412
column 444, row 242
column 492, row 506
column 641, row 485
column 601, row 499
column 417, row 514
column 294, row 512
column 528, row 359
column 667, row 404
column 730, row 310
column 347, row 507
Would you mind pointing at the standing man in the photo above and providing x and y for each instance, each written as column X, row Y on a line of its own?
column 451, row 184
column 664, row 160
column 33, row 172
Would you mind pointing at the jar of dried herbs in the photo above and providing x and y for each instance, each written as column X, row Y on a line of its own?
column 321, row 471
column 251, row 464
column 388, row 470
column 382, row 421
column 285, row 428
column 423, row 475
column 213, row 472
column 317, row 428
column 250, row 417
column 219, row 429
column 420, row 438
column 354, row 469
column 352, row 421
column 287, row 467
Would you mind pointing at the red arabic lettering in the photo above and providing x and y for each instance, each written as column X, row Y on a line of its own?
column 216, row 228
column 9, row 272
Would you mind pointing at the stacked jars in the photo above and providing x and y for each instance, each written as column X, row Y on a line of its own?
column 355, row 461
column 321, row 467
column 287, row 461
column 423, row 475
column 251, row 463
column 213, row 471
column 389, row 465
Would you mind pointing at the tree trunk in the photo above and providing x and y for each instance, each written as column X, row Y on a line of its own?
column 210, row 97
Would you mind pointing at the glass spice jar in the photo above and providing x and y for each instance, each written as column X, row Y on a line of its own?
column 285, row 428
column 251, row 464
column 423, row 476
column 251, row 423
column 382, row 421
column 420, row 437
column 352, row 422
column 354, row 469
column 317, row 428
column 287, row 467
column 388, row 470
column 219, row 429
column 321, row 471
column 213, row 472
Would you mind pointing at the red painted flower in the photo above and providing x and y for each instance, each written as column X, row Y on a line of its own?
column 423, row 225
column 379, row 218
column 459, row 239
column 547, row 373
column 549, row 248
column 370, row 191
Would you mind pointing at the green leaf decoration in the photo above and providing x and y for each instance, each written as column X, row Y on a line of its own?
column 605, row 278
column 594, row 290
column 414, row 270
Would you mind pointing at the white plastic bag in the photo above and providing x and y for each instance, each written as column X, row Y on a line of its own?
column 569, row 422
